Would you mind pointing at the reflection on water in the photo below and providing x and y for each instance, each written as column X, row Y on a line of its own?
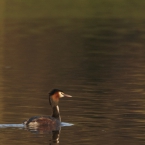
column 11, row 125
column 39, row 129
column 46, row 130
column 100, row 60
column 23, row 126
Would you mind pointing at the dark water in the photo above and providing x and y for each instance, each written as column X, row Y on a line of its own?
column 95, row 55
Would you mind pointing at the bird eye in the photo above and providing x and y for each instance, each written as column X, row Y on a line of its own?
column 61, row 94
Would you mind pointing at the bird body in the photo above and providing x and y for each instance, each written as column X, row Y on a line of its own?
column 54, row 120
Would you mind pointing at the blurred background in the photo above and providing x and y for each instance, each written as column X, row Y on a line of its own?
column 93, row 50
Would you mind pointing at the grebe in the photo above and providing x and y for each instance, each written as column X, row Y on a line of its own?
column 54, row 119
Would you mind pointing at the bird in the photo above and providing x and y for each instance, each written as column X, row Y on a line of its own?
column 53, row 121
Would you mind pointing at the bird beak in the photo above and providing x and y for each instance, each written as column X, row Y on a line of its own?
column 66, row 95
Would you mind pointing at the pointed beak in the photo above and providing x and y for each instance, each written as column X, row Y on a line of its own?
column 66, row 95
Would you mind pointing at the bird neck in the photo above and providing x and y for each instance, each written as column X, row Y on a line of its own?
column 56, row 113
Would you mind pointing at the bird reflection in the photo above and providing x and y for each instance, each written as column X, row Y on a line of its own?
column 43, row 129
column 46, row 130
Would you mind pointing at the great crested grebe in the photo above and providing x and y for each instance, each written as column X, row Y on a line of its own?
column 55, row 118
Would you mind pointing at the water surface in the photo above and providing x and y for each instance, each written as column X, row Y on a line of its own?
column 95, row 55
